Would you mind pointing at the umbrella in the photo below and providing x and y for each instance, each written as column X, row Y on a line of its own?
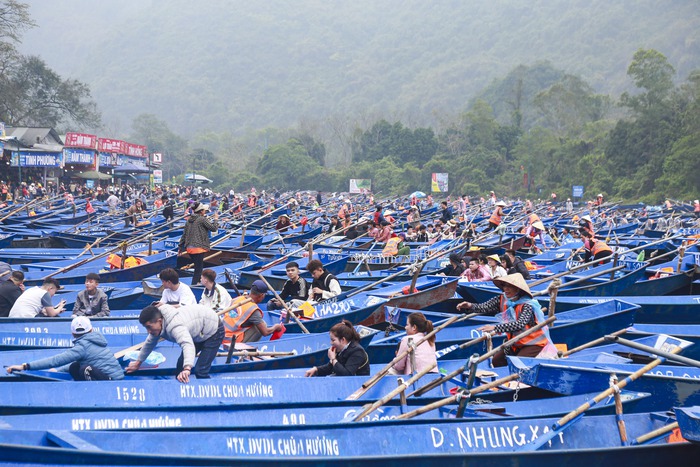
column 418, row 194
column 94, row 175
column 197, row 178
column 130, row 168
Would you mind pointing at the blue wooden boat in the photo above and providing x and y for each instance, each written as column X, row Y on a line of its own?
column 689, row 422
column 601, row 285
column 592, row 439
column 572, row 328
column 669, row 309
column 672, row 386
column 127, row 420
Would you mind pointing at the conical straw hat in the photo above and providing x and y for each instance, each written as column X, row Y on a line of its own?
column 516, row 280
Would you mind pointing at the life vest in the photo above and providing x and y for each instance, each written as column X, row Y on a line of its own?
column 88, row 208
column 234, row 319
column 537, row 338
column 392, row 246
column 341, row 213
column 534, row 218
column 495, row 218
column 115, row 261
column 599, row 246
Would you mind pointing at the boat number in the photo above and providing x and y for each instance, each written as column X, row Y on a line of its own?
column 36, row 330
column 294, row 419
column 131, row 394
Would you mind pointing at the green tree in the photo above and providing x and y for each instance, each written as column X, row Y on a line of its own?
column 651, row 73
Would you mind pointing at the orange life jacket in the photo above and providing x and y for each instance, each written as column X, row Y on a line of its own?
column 600, row 246
column 537, row 338
column 534, row 218
column 495, row 218
column 234, row 319
column 392, row 246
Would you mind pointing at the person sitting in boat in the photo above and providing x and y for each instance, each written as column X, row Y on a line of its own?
column 38, row 301
column 454, row 269
column 494, row 266
column 476, row 272
column 515, row 264
column 88, row 360
column 244, row 322
column 131, row 213
column 396, row 246
column 295, row 289
column 92, row 301
column 175, row 293
column 422, row 235
column 10, row 291
column 283, row 223
column 385, row 232
column 324, row 285
column 595, row 249
column 346, row 356
column 417, row 327
column 517, row 311
column 586, row 225
column 168, row 208
column 214, row 295
column 195, row 328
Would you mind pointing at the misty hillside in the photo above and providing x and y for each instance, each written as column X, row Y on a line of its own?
column 225, row 65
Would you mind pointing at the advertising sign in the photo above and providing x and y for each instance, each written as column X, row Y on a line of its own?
column 158, row 176
column 111, row 145
column 78, row 156
column 577, row 191
column 360, row 185
column 440, row 183
column 80, row 140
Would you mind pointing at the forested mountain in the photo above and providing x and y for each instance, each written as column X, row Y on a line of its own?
column 220, row 65
column 523, row 97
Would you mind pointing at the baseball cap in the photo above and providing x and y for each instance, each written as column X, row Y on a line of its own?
column 80, row 325
column 259, row 287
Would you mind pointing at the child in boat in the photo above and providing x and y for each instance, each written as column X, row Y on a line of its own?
column 346, row 355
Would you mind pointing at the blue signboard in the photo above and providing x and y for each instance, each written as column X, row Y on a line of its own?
column 79, row 156
column 577, row 191
column 36, row 159
column 108, row 159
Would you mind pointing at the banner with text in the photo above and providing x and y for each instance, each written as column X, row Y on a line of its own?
column 111, row 145
column 158, row 176
column 439, row 183
column 36, row 159
column 78, row 156
column 80, row 140
column 360, row 185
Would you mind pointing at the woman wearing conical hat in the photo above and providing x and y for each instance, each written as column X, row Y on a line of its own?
column 518, row 311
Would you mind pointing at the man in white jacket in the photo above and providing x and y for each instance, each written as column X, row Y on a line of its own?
column 195, row 328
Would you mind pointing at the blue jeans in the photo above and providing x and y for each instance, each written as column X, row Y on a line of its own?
column 207, row 352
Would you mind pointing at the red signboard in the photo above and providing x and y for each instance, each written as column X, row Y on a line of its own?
column 80, row 140
column 135, row 150
column 111, row 145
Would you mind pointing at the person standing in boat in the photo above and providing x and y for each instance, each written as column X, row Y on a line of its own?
column 346, row 356
column 324, row 285
column 38, row 301
column 88, row 360
column 417, row 327
column 497, row 216
column 518, row 311
column 214, row 295
column 195, row 328
column 594, row 249
column 175, row 293
column 92, row 301
column 195, row 238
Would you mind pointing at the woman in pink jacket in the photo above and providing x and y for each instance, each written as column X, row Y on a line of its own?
column 417, row 326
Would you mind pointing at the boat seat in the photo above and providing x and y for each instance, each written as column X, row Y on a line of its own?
column 66, row 439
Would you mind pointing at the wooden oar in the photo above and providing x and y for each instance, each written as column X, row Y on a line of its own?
column 653, row 351
column 106, row 253
column 367, row 385
column 486, row 356
column 15, row 211
column 402, row 387
column 248, row 353
column 592, row 343
column 289, row 312
column 460, row 395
